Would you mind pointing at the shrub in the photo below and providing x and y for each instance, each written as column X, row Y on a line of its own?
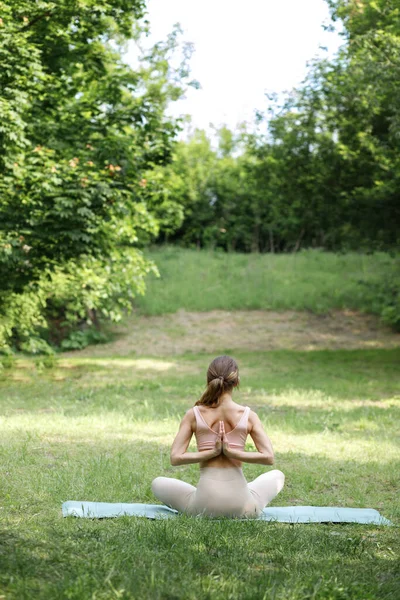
column 61, row 307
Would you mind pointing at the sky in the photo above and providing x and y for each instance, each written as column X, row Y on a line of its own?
column 242, row 50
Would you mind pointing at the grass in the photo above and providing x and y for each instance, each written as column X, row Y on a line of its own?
column 309, row 280
column 100, row 429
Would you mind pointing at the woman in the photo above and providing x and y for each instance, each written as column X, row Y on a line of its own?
column 221, row 427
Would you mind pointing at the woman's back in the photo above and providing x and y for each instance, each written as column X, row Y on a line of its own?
column 230, row 413
column 206, row 427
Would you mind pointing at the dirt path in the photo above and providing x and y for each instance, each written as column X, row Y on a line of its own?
column 220, row 330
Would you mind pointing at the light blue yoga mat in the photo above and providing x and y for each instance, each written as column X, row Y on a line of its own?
column 284, row 514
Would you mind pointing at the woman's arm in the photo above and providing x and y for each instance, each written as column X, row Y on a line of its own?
column 179, row 454
column 265, row 454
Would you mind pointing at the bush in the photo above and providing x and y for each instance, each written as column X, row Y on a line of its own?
column 80, row 339
column 21, row 317
column 390, row 303
column 60, row 309
column 386, row 297
column 8, row 361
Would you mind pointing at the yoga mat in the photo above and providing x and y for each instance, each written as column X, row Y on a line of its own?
column 283, row 514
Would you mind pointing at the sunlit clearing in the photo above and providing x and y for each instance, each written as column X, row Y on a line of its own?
column 316, row 399
column 141, row 364
column 116, row 427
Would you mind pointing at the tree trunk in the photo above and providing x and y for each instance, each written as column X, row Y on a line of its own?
column 298, row 243
column 92, row 314
column 271, row 241
column 255, row 243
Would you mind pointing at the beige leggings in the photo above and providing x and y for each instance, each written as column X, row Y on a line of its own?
column 220, row 492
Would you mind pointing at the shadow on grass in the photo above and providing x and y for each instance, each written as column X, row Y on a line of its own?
column 192, row 558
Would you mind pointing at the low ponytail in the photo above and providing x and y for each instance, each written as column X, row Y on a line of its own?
column 222, row 376
column 215, row 389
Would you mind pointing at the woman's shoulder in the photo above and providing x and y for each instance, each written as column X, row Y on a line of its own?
column 189, row 419
column 241, row 407
column 235, row 412
column 189, row 415
column 254, row 419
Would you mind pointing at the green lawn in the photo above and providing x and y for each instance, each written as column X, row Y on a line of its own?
column 100, row 429
column 313, row 280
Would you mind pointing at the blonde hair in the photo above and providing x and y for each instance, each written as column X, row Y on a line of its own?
column 222, row 376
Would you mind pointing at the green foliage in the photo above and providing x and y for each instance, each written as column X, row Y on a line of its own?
column 386, row 296
column 20, row 317
column 8, row 361
column 77, row 294
column 193, row 167
column 50, row 361
column 322, row 167
column 80, row 339
column 77, row 288
column 79, row 133
column 391, row 305
column 69, row 209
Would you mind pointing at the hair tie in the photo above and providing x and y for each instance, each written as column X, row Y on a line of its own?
column 220, row 377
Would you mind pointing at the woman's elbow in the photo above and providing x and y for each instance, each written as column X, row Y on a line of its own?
column 269, row 459
column 174, row 459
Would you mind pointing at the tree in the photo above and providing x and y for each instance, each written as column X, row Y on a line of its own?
column 79, row 131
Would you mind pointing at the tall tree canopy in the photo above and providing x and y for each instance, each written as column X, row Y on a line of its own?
column 79, row 129
column 323, row 167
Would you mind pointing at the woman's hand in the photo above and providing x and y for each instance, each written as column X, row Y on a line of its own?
column 227, row 451
column 216, row 451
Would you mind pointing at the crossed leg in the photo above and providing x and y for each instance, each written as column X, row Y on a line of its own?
column 178, row 494
column 173, row 492
column 265, row 487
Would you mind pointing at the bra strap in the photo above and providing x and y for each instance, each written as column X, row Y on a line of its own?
column 196, row 413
